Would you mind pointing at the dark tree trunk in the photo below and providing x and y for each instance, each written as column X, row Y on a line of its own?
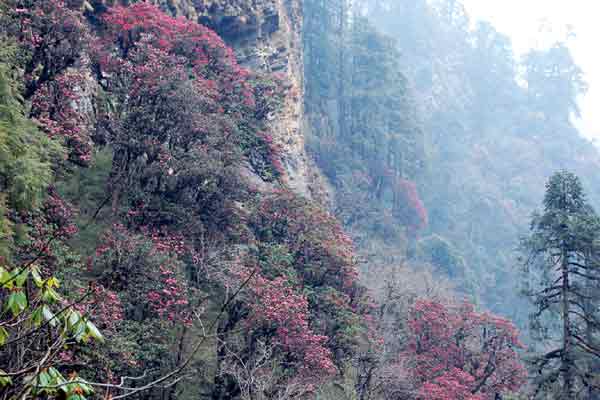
column 566, row 361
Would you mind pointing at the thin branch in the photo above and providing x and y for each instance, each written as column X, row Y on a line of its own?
column 196, row 347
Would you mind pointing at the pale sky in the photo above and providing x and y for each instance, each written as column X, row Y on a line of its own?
column 522, row 21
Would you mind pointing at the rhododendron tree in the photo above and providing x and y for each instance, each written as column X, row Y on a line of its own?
column 458, row 353
column 55, row 108
column 315, row 252
column 315, row 239
column 281, row 353
column 409, row 205
column 145, row 268
column 44, row 233
column 452, row 385
column 149, row 269
column 302, row 302
column 178, row 93
column 279, row 307
column 104, row 304
column 53, row 39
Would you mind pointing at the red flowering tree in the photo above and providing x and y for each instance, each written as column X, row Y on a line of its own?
column 458, row 353
column 178, row 95
column 147, row 269
column 53, row 38
column 302, row 305
column 409, row 206
column 278, row 306
column 300, row 240
column 322, row 251
column 56, row 106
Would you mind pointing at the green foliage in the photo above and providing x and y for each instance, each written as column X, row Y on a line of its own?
column 443, row 255
column 31, row 298
column 87, row 187
column 563, row 272
column 26, row 159
column 370, row 144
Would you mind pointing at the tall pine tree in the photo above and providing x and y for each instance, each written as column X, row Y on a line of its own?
column 562, row 261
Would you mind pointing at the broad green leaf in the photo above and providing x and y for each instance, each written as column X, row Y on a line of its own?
column 79, row 332
column 76, row 325
column 53, row 372
column 49, row 295
column 58, row 379
column 37, row 279
column 20, row 275
column 49, row 316
column 37, row 317
column 5, row 278
column 43, row 379
column 4, row 379
column 73, row 318
column 10, row 302
column 17, row 302
column 3, row 335
column 94, row 332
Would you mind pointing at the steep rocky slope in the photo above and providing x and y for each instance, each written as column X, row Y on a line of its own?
column 266, row 36
column 173, row 189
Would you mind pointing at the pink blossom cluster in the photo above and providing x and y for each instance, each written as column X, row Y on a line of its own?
column 60, row 214
column 54, row 105
column 281, row 307
column 456, row 352
column 170, row 299
column 203, row 49
column 104, row 305
column 314, row 235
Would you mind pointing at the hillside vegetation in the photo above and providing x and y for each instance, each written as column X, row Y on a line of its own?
column 153, row 245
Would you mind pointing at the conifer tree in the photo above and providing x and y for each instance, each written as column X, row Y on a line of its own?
column 562, row 260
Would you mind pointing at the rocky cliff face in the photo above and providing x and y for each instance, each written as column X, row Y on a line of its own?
column 267, row 36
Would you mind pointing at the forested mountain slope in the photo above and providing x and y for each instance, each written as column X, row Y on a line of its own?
column 272, row 199
column 147, row 206
column 412, row 91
